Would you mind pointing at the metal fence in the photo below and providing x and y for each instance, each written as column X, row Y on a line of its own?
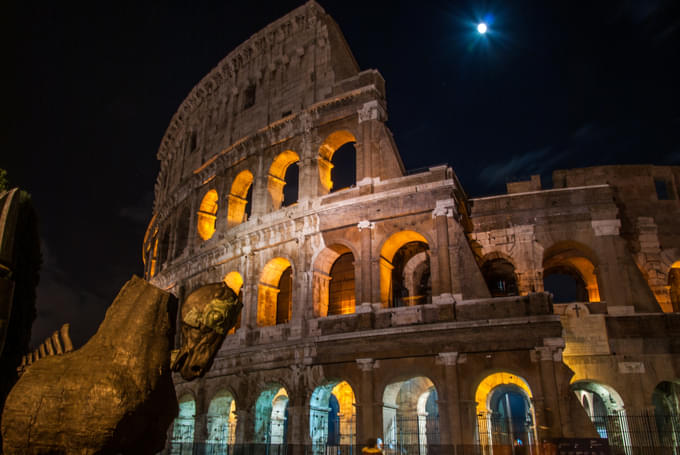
column 500, row 434
column 412, row 435
column 640, row 434
column 644, row 433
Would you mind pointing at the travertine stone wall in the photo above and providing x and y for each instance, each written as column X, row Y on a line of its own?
column 292, row 95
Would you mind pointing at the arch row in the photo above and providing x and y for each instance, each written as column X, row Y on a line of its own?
column 282, row 285
column 223, row 204
column 413, row 417
column 567, row 269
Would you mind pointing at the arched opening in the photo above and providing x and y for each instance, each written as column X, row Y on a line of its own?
column 674, row 285
column 221, row 422
column 207, row 214
column 164, row 250
column 240, row 198
column 275, row 296
column 569, row 273
column 666, row 401
column 341, row 296
column 234, row 281
column 505, row 414
column 153, row 255
column 271, row 418
column 182, row 442
column 605, row 408
column 411, row 416
column 332, row 419
column 337, row 172
column 499, row 274
column 334, row 282
column 283, row 180
column 405, row 270
column 182, row 232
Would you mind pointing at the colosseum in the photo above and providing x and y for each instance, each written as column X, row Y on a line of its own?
column 390, row 304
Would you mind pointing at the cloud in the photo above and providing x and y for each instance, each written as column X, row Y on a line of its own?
column 140, row 211
column 524, row 165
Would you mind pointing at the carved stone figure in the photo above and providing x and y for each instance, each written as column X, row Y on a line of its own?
column 115, row 394
column 207, row 315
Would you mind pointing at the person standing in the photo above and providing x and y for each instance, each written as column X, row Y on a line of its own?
column 371, row 447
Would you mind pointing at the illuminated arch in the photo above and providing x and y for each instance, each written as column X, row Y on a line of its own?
column 277, row 176
column 183, row 427
column 271, row 414
column 238, row 198
column 499, row 273
column 575, row 260
column 666, row 401
column 221, row 424
column 273, row 305
column 410, row 415
column 328, row 148
column 333, row 281
column 674, row 285
column 505, row 411
column 332, row 416
column 605, row 408
column 482, row 394
column 387, row 253
column 207, row 215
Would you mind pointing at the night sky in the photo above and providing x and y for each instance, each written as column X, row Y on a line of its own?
column 89, row 90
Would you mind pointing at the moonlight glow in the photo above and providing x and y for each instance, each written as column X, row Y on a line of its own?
column 481, row 28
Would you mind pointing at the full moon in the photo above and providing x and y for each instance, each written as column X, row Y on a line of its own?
column 481, row 28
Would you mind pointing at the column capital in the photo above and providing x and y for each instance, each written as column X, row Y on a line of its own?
column 606, row 227
column 449, row 358
column 445, row 207
column 365, row 224
column 372, row 110
column 367, row 364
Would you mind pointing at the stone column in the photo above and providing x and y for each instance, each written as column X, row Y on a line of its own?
column 365, row 263
column 451, row 426
column 443, row 210
column 309, row 182
column 201, row 419
column 555, row 422
column 369, row 115
column 250, row 292
column 369, row 412
column 260, row 196
column 297, row 437
column 468, row 414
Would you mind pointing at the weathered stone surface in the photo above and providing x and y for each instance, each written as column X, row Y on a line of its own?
column 113, row 395
column 207, row 315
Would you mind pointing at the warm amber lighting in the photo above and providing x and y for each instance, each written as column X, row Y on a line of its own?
column 389, row 248
column 345, row 395
column 676, row 265
column 494, row 380
column 268, row 291
column 277, row 174
column 145, row 245
column 237, row 197
column 234, row 281
column 206, row 215
column 328, row 148
column 577, row 257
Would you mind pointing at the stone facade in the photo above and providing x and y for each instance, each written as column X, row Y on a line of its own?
column 398, row 296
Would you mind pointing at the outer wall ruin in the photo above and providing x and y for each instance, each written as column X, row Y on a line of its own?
column 395, row 305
